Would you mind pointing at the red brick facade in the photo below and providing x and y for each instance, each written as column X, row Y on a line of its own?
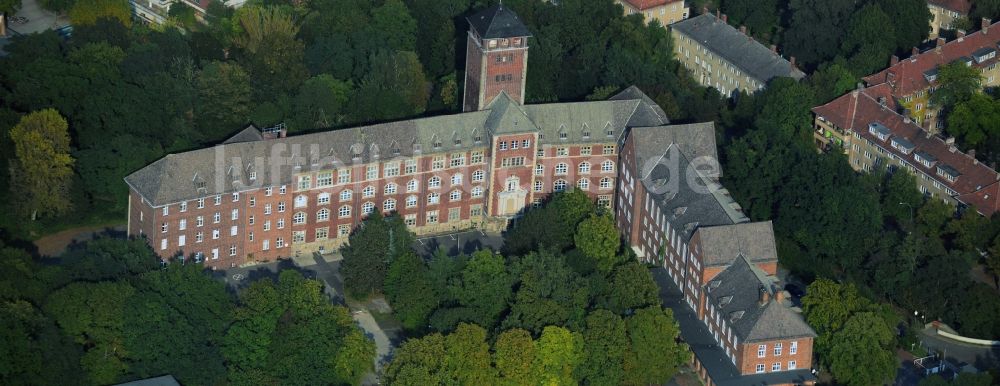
column 492, row 66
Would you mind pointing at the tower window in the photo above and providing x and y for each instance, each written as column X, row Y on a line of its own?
column 504, row 78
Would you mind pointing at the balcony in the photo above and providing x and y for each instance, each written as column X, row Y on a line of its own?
column 829, row 136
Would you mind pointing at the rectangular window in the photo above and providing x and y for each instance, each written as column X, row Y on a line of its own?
column 585, row 150
column 182, row 225
column 199, row 221
column 609, row 149
column 184, row 206
column 181, row 240
column 761, row 350
column 476, row 210
column 268, row 191
column 232, row 250
column 777, row 349
column 392, row 169
column 562, row 152
column 794, row 348
column 267, row 225
column 324, row 179
column 343, row 176
column 503, row 145
column 437, row 163
column 236, row 197
column 372, row 172
column 305, row 182
column 265, row 245
column 454, row 214
column 343, row 230
column 457, row 159
column 540, row 152
column 476, row 158
column 199, row 237
column 760, row 368
column 432, row 217
column 776, row 366
column 166, row 210
column 163, row 228
column 512, row 162
column 322, row 233
column 163, row 244
column 298, row 236
column 232, row 230
column 218, row 199
column 410, row 166
column 792, row 365
column 215, row 234
column 279, row 242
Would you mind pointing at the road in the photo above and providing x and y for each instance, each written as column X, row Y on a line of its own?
column 461, row 242
column 981, row 357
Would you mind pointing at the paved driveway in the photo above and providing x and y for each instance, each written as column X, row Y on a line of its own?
column 38, row 19
column 461, row 242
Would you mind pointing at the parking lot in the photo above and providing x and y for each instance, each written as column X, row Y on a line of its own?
column 32, row 18
column 459, row 243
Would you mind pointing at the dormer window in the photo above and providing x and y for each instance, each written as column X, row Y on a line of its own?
column 491, row 43
column 902, row 145
column 947, row 172
column 925, row 159
column 517, row 42
column 879, row 131
column 984, row 54
column 931, row 75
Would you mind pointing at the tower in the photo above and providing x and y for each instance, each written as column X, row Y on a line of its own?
column 496, row 57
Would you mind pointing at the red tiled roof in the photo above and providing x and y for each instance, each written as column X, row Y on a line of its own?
column 643, row 5
column 977, row 184
column 907, row 76
column 960, row 6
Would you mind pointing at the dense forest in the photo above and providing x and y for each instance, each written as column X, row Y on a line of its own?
column 118, row 95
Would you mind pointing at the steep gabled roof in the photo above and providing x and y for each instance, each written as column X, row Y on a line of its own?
column 498, row 22
column 643, row 5
column 735, row 293
column 960, row 6
column 907, row 76
column 248, row 134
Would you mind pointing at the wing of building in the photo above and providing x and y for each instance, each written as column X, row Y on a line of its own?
column 262, row 195
column 730, row 60
column 865, row 125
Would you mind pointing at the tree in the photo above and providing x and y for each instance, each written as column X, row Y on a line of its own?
column 267, row 36
column 632, row 287
column 176, row 323
column 993, row 261
column 760, row 17
column 467, row 359
column 320, row 103
column 42, row 168
column 418, row 362
column 654, row 352
column 832, row 81
column 514, row 355
column 559, row 353
column 966, row 379
column 87, row 12
column 484, row 288
column 605, row 344
column 109, row 259
column 956, row 83
column 9, row 7
column 32, row 350
column 549, row 293
column 827, row 307
column 223, row 95
column 869, row 43
column 93, row 315
column 597, row 237
column 909, row 21
column 862, row 352
column 974, row 121
column 399, row 77
column 369, row 251
column 814, row 32
column 410, row 291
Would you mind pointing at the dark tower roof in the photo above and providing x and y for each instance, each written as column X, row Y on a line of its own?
column 498, row 22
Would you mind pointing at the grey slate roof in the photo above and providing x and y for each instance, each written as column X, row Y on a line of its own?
column 721, row 245
column 735, row 292
column 249, row 134
column 176, row 177
column 163, row 380
column 672, row 168
column 744, row 52
column 498, row 22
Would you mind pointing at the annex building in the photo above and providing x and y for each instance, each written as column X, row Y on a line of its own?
column 730, row 60
column 263, row 195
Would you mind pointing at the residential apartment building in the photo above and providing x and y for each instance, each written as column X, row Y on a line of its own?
column 672, row 210
column 911, row 81
column 728, row 59
column 865, row 124
column 946, row 13
column 262, row 195
column 666, row 12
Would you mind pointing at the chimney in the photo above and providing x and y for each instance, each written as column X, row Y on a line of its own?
column 949, row 141
column 725, row 19
column 765, row 295
column 906, row 119
column 779, row 296
column 774, row 49
column 986, row 25
column 960, row 33
column 704, row 10
column 743, row 29
column 791, row 60
column 718, row 14
column 940, row 43
column 893, row 60
column 972, row 153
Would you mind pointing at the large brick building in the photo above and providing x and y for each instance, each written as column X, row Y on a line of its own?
column 945, row 13
column 263, row 195
column 666, row 12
